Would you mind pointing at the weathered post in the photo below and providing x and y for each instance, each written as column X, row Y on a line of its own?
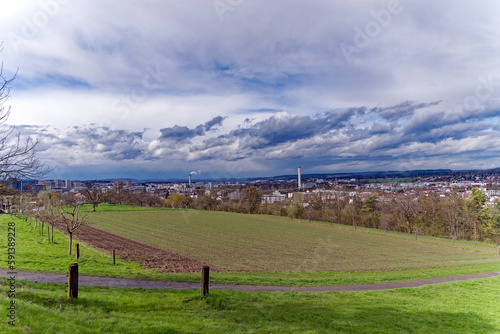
column 114, row 256
column 73, row 281
column 77, row 251
column 205, row 280
column 52, row 234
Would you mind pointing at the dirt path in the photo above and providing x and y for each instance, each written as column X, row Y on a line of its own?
column 131, row 283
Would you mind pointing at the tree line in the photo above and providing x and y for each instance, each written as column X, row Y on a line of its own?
column 453, row 217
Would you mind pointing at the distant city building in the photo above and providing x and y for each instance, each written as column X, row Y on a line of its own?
column 274, row 197
column 492, row 193
column 308, row 185
column 235, row 195
column 68, row 184
column 57, row 183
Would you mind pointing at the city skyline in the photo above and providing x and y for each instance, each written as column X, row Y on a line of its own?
column 250, row 88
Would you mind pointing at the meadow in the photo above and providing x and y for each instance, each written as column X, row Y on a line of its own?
column 239, row 242
column 456, row 307
column 35, row 253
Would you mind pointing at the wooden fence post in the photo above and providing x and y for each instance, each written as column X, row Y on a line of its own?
column 73, row 281
column 114, row 256
column 205, row 280
column 77, row 251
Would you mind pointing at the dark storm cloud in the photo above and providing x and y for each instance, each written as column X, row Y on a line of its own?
column 180, row 133
column 93, row 139
column 284, row 128
column 360, row 136
column 126, row 154
column 216, row 121
column 403, row 109
column 354, row 133
column 456, row 124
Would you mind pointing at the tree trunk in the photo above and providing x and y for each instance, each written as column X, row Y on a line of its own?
column 70, row 242
column 475, row 229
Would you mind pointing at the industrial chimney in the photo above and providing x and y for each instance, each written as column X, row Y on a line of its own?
column 300, row 182
column 189, row 180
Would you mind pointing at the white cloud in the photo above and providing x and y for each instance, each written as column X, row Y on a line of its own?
column 138, row 65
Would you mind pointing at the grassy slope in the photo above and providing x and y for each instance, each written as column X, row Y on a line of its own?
column 34, row 253
column 240, row 242
column 459, row 244
column 458, row 307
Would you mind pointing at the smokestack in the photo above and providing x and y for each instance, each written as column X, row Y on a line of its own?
column 198, row 172
column 300, row 182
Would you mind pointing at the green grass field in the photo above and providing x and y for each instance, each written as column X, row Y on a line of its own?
column 458, row 307
column 34, row 253
column 239, row 242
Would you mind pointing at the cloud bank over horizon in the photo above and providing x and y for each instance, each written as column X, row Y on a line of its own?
column 252, row 88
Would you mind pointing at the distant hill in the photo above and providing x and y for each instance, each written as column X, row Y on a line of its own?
column 353, row 175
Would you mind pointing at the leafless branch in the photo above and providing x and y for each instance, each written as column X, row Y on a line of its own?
column 18, row 159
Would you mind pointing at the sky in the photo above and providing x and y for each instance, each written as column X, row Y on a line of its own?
column 250, row 88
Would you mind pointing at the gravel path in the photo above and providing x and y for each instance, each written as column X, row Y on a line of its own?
column 131, row 283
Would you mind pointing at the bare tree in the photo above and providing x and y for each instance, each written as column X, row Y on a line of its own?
column 407, row 209
column 119, row 194
column 51, row 202
column 453, row 214
column 73, row 221
column 94, row 196
column 251, row 199
column 69, row 199
column 17, row 156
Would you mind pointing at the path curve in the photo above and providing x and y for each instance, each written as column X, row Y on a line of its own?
column 132, row 283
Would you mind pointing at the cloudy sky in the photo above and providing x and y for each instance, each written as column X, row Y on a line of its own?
column 159, row 88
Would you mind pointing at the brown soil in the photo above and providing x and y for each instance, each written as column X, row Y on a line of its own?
column 149, row 256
